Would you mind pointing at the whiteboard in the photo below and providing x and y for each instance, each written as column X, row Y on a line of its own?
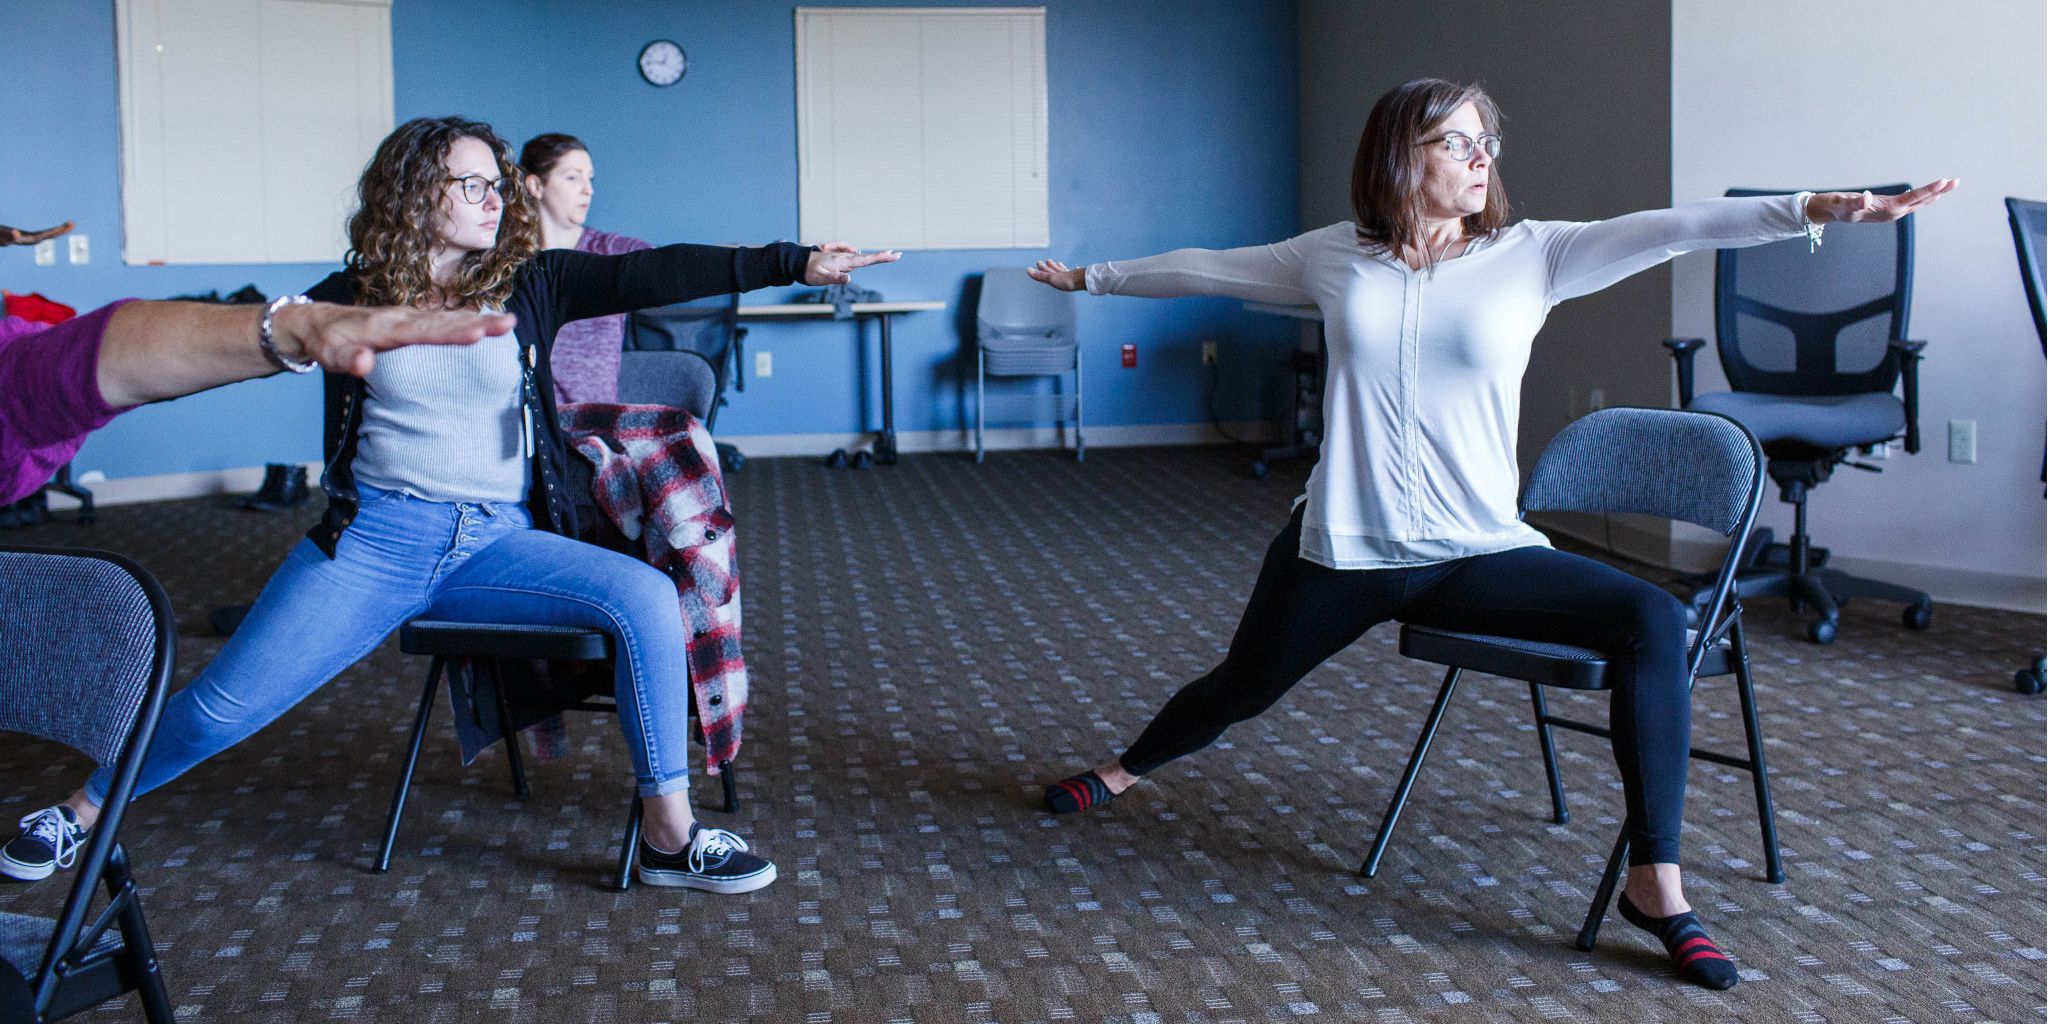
column 922, row 128
column 245, row 124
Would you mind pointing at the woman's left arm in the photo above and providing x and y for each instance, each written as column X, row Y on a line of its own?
column 589, row 285
column 1586, row 257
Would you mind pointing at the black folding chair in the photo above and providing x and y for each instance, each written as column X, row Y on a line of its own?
column 1700, row 468
column 85, row 660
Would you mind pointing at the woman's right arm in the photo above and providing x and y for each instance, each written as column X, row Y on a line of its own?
column 1255, row 273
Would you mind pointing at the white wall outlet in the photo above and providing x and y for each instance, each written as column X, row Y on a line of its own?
column 1208, row 353
column 1962, row 440
column 764, row 364
column 46, row 253
column 81, row 249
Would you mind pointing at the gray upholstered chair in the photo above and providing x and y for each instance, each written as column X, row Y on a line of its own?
column 1813, row 343
column 1700, row 468
column 85, row 660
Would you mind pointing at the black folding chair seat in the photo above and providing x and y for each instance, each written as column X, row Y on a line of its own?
column 1561, row 665
column 486, row 644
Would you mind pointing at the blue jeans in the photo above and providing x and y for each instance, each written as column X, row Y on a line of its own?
column 404, row 557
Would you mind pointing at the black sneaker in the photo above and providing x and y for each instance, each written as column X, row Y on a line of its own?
column 715, row 861
column 49, row 840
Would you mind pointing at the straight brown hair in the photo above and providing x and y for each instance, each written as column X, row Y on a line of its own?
column 1387, row 173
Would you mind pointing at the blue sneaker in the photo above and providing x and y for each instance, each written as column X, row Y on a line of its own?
column 49, row 840
column 715, row 861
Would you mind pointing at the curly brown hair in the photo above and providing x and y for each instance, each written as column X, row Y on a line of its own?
column 1387, row 173
column 391, row 235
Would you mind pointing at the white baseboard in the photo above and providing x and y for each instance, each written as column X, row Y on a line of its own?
column 1974, row 588
column 130, row 490
column 174, row 486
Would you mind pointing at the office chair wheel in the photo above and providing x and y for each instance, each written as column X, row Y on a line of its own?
column 1822, row 632
column 1918, row 615
column 863, row 459
column 2031, row 680
column 1260, row 469
column 836, row 460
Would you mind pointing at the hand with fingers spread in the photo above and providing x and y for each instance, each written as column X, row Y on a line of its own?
column 834, row 262
column 1055, row 273
column 1856, row 207
column 346, row 339
column 17, row 236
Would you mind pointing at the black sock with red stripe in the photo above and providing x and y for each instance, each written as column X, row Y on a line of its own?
column 1699, row 960
column 1077, row 793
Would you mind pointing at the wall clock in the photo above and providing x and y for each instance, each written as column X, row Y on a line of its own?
column 663, row 63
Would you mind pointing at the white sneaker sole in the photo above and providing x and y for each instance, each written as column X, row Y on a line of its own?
column 691, row 880
column 25, row 872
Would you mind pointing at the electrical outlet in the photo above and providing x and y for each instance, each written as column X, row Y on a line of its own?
column 81, row 250
column 764, row 364
column 1208, row 353
column 46, row 253
column 1962, row 440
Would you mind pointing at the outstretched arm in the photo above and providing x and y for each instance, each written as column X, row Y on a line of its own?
column 17, row 236
column 154, row 351
column 588, row 285
column 1586, row 257
column 1256, row 273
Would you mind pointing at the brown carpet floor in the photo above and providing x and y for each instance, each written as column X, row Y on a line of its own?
column 932, row 642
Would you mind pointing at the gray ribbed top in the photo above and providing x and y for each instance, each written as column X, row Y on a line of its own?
column 444, row 422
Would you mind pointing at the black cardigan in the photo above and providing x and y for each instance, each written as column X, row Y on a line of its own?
column 553, row 288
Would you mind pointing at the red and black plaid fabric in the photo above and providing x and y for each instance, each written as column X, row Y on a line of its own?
column 657, row 480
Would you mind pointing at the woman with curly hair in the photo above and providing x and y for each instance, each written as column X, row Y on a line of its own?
column 447, row 489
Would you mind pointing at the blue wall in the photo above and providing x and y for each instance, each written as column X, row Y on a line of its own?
column 1171, row 125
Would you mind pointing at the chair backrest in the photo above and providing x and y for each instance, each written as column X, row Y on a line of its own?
column 1698, row 467
column 85, row 660
column 1791, row 321
column 681, row 380
column 2029, row 219
column 707, row 328
column 1015, row 309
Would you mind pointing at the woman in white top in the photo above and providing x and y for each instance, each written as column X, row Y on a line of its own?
column 1430, row 302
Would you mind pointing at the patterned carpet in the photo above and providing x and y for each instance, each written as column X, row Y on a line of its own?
column 932, row 642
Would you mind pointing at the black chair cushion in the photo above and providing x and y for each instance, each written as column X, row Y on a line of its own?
column 1574, row 668
column 503, row 640
column 1823, row 421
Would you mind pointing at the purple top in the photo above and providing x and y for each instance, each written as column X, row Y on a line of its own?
column 586, row 354
column 49, row 397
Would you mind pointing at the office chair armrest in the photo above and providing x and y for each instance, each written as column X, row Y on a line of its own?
column 1682, row 350
column 1908, row 353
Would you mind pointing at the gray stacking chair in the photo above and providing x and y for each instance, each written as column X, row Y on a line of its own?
column 85, row 660
column 1700, row 468
column 1024, row 329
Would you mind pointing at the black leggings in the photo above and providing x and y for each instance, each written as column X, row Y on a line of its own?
column 1301, row 613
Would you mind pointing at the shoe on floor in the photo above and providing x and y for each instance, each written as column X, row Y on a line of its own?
column 49, row 840
column 714, row 861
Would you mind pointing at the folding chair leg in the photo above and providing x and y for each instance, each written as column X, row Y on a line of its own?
column 1436, row 715
column 136, row 943
column 1760, row 772
column 1558, row 812
column 732, row 787
column 512, row 756
column 630, row 846
column 1590, row 931
column 412, row 760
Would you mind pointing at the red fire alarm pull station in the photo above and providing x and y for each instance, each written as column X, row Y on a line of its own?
column 1130, row 355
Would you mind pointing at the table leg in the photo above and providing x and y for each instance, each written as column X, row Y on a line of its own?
column 885, row 446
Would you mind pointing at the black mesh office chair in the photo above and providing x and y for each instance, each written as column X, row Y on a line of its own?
column 85, row 661
column 2029, row 220
column 707, row 328
column 1813, row 343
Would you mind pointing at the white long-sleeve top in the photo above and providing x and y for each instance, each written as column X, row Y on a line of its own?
column 1423, row 392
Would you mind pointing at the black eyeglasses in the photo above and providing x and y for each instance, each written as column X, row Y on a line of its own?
column 475, row 185
column 1460, row 145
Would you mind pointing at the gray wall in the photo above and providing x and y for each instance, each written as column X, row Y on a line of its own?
column 1585, row 90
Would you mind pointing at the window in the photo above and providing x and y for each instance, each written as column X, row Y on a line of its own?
column 245, row 124
column 922, row 128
